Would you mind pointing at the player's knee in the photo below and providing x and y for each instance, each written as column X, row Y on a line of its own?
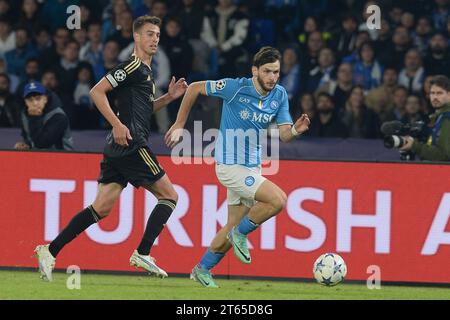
column 279, row 202
column 172, row 195
column 103, row 209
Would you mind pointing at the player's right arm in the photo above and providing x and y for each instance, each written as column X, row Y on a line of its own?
column 98, row 94
column 224, row 89
column 193, row 91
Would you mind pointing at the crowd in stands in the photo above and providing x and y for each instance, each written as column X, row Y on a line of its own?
column 348, row 78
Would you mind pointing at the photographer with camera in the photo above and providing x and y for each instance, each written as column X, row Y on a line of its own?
column 437, row 148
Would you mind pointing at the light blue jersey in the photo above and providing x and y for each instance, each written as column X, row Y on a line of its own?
column 246, row 116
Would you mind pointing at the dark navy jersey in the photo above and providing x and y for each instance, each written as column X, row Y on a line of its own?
column 134, row 87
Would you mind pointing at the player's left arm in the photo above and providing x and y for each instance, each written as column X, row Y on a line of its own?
column 288, row 130
column 176, row 90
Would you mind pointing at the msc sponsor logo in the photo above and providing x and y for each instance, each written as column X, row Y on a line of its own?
column 259, row 117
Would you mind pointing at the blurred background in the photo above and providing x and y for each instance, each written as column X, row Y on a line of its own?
column 332, row 63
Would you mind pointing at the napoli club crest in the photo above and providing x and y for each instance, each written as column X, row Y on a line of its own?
column 274, row 104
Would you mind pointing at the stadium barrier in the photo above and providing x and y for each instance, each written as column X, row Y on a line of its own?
column 395, row 216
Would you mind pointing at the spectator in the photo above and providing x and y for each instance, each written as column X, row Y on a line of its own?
column 402, row 43
column 86, row 114
column 50, row 81
column 311, row 25
column 162, row 74
column 196, row 28
column 32, row 73
column 413, row 75
column 80, row 36
column 360, row 121
column 384, row 47
column 17, row 57
column 261, row 31
column 29, row 16
column 448, row 29
column 400, row 96
column 310, row 55
column 160, row 10
column 9, row 106
column 440, row 14
column 286, row 14
column 408, row 20
column 44, row 123
column 14, row 80
column 7, row 37
column 110, row 58
column 339, row 89
column 180, row 55
column 86, row 16
column 230, row 28
column 5, row 10
column 427, row 108
column 367, row 72
column 324, row 72
column 413, row 111
column 56, row 51
column 344, row 41
column 361, row 38
column 307, row 105
column 124, row 34
column 395, row 15
column 193, row 19
column 178, row 50
column 437, row 60
column 66, row 71
column 422, row 35
column 92, row 51
column 290, row 73
column 110, row 17
column 326, row 124
column 381, row 99
column 43, row 40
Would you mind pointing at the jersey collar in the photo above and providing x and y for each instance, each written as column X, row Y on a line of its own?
column 261, row 96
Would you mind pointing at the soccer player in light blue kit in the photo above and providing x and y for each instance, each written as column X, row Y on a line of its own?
column 249, row 106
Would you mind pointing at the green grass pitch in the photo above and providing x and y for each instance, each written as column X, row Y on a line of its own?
column 27, row 285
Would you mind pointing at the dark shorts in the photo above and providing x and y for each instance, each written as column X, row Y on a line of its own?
column 140, row 168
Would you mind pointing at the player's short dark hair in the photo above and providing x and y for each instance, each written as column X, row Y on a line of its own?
column 143, row 20
column 441, row 81
column 266, row 55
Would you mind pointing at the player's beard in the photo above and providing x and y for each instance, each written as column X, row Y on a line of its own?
column 437, row 104
column 263, row 85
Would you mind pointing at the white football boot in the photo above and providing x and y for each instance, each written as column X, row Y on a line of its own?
column 147, row 263
column 46, row 262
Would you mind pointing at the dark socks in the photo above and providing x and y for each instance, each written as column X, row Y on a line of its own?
column 77, row 225
column 155, row 224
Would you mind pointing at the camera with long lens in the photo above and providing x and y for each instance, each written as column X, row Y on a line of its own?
column 394, row 132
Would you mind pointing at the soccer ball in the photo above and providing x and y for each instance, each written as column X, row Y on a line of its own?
column 329, row 269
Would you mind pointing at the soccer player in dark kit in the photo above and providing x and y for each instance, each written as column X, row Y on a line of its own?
column 127, row 158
